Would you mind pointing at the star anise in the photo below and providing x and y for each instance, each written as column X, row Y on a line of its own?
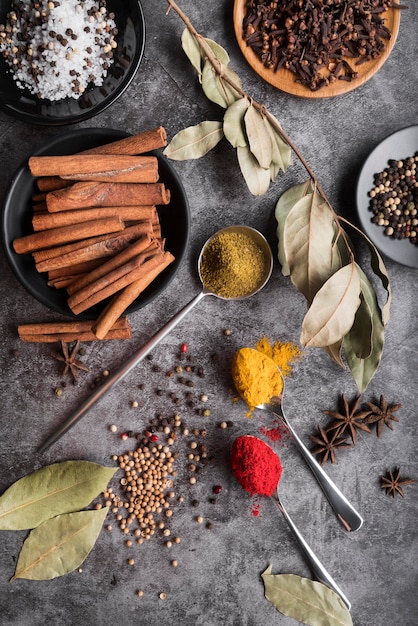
column 68, row 357
column 327, row 446
column 348, row 418
column 381, row 415
column 393, row 483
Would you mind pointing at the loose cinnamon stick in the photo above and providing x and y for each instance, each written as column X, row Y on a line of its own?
column 44, row 221
column 107, row 245
column 127, row 296
column 111, row 284
column 136, row 144
column 71, row 331
column 65, row 234
column 91, row 194
column 115, row 168
column 144, row 243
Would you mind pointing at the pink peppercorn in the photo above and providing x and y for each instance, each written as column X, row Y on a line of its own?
column 217, row 489
column 184, row 347
column 154, row 437
column 124, row 436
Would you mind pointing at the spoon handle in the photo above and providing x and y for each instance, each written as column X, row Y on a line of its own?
column 345, row 512
column 120, row 373
column 318, row 570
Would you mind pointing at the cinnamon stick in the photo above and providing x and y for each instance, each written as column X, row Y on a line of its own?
column 51, row 183
column 65, row 234
column 140, row 143
column 112, row 283
column 91, row 194
column 127, row 296
column 71, row 331
column 107, row 245
column 44, row 221
column 116, row 168
column 77, row 268
column 144, row 243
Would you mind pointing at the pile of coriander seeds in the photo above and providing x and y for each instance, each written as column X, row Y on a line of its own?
column 161, row 464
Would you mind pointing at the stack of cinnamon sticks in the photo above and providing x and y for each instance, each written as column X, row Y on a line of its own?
column 96, row 226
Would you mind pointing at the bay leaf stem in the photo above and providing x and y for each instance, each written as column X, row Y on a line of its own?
column 217, row 65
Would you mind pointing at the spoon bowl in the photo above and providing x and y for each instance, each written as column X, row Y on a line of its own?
column 137, row 356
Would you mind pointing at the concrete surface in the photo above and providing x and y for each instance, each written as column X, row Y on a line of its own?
column 217, row 581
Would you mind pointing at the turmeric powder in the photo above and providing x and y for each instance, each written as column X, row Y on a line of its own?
column 283, row 354
column 258, row 373
column 256, row 377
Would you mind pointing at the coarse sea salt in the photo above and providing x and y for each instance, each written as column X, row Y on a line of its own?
column 57, row 49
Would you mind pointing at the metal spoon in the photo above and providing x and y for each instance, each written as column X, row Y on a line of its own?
column 126, row 367
column 345, row 512
column 318, row 570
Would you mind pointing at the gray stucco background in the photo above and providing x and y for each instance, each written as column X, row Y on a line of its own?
column 217, row 581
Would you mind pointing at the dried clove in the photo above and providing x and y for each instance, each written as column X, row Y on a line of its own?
column 314, row 38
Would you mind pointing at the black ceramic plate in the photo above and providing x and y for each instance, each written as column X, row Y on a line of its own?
column 399, row 145
column 20, row 103
column 17, row 216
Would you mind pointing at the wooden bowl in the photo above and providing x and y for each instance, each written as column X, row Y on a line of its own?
column 286, row 81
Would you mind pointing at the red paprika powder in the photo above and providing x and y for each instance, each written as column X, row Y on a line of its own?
column 255, row 465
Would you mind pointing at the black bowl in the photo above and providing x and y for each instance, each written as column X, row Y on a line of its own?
column 23, row 105
column 17, row 215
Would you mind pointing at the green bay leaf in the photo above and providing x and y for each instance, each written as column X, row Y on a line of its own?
column 285, row 203
column 257, row 178
column 331, row 314
column 58, row 488
column 308, row 601
column 308, row 237
column 195, row 141
column 259, row 138
column 234, row 123
column 59, row 545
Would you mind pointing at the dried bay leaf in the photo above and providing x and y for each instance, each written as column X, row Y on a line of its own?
column 364, row 363
column 58, row 488
column 217, row 89
column 380, row 271
column 59, row 545
column 257, row 178
column 192, row 50
column 308, row 236
column 195, row 141
column 234, row 123
column 302, row 599
column 220, row 52
column 282, row 153
column 331, row 314
column 258, row 137
column 285, row 203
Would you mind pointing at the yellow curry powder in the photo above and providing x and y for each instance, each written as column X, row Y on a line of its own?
column 258, row 373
